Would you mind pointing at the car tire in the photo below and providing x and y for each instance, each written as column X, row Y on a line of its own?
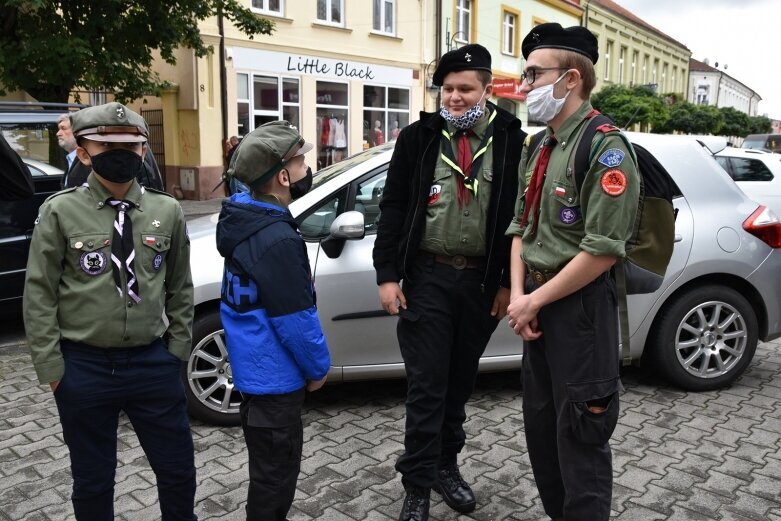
column 705, row 338
column 208, row 382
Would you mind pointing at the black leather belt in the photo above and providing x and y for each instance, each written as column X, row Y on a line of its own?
column 540, row 277
column 458, row 262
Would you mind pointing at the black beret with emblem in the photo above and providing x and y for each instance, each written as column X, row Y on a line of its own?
column 467, row 58
column 554, row 36
column 109, row 122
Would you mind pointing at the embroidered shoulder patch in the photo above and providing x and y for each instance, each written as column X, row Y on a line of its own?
column 613, row 182
column 612, row 157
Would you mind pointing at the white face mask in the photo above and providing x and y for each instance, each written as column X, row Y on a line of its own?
column 541, row 104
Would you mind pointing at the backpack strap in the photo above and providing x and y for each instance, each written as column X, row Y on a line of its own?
column 598, row 122
column 535, row 141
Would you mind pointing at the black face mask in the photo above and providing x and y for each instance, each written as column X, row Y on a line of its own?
column 118, row 165
column 302, row 186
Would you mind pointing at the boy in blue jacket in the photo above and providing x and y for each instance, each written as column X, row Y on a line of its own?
column 275, row 343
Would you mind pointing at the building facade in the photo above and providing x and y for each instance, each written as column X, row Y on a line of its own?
column 632, row 52
column 348, row 73
column 712, row 86
column 500, row 26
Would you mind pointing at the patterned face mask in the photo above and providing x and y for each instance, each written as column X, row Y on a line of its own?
column 465, row 120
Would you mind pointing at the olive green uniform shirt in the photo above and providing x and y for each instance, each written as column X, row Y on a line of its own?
column 69, row 288
column 452, row 229
column 599, row 219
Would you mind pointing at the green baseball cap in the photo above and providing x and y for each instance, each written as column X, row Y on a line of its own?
column 112, row 122
column 264, row 152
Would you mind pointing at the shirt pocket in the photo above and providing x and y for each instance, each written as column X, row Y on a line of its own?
column 90, row 254
column 437, row 194
column 154, row 250
column 565, row 205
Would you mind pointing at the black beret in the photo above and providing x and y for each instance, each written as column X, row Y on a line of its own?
column 554, row 36
column 467, row 58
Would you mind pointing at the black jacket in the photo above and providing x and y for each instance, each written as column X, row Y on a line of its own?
column 16, row 182
column 404, row 197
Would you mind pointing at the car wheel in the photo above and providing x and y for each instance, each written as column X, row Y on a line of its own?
column 208, row 380
column 705, row 338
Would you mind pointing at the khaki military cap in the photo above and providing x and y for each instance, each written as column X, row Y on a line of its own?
column 110, row 122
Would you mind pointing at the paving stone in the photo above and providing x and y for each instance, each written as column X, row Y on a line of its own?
column 677, row 455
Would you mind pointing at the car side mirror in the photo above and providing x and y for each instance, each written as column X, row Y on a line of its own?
column 347, row 226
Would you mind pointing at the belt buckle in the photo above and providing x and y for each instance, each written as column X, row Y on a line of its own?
column 538, row 277
column 459, row 262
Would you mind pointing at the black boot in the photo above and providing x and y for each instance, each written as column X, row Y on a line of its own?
column 416, row 504
column 454, row 490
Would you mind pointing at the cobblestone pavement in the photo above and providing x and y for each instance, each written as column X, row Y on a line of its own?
column 678, row 455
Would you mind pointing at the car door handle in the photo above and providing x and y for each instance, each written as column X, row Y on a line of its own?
column 678, row 237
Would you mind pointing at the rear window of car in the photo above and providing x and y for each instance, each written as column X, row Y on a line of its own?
column 771, row 142
column 744, row 169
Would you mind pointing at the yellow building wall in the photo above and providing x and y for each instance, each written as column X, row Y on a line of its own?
column 615, row 33
column 193, row 116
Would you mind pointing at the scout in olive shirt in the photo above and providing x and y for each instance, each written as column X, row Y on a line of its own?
column 107, row 261
column 563, row 296
column 453, row 228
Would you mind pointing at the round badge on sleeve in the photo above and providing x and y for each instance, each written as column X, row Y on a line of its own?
column 157, row 262
column 93, row 262
column 613, row 182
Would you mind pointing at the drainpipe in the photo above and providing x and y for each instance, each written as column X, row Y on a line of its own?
column 223, row 80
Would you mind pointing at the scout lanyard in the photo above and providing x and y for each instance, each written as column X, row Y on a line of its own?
column 447, row 154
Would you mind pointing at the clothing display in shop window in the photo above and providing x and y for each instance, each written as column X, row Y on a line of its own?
column 379, row 138
column 326, row 134
column 339, row 137
column 395, row 131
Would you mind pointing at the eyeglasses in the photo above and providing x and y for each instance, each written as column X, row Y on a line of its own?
column 530, row 75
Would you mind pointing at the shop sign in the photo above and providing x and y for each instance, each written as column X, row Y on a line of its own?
column 509, row 88
column 319, row 67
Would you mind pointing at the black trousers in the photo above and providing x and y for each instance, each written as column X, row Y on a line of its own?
column 143, row 382
column 573, row 364
column 275, row 437
column 442, row 336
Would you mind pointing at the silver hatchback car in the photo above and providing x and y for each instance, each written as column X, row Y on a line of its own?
column 721, row 293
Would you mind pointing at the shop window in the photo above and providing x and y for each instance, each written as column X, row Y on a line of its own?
column 383, row 20
column 385, row 113
column 270, row 98
column 332, row 118
column 331, row 12
column 273, row 7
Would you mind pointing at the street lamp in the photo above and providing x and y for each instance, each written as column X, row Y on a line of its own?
column 451, row 39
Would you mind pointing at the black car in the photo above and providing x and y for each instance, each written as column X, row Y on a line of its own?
column 31, row 130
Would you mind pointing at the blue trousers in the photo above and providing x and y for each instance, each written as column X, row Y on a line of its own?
column 143, row 382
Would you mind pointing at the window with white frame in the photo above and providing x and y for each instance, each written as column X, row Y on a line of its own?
column 273, row 7
column 621, row 54
column 635, row 55
column 654, row 72
column 331, row 12
column 263, row 98
column 385, row 113
column 645, row 69
column 509, row 31
column 383, row 17
column 608, row 53
column 464, row 9
column 664, row 78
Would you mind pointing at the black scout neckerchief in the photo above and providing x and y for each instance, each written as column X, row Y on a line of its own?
column 470, row 182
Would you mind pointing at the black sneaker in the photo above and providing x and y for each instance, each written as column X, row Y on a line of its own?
column 454, row 490
column 416, row 505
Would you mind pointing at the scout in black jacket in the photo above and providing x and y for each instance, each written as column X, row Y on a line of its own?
column 448, row 198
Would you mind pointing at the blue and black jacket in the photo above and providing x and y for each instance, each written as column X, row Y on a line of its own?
column 274, row 338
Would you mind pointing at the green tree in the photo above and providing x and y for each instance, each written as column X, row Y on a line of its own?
column 760, row 125
column 706, row 119
column 736, row 123
column 628, row 106
column 49, row 48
